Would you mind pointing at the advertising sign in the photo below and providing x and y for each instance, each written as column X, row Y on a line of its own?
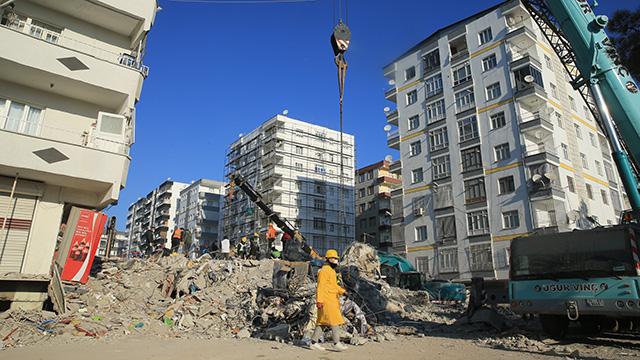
column 84, row 233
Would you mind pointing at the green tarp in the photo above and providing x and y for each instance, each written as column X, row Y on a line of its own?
column 395, row 261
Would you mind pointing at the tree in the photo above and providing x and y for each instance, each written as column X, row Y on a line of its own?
column 624, row 30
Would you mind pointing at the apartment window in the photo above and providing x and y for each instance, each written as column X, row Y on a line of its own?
column 493, row 91
column 421, row 233
column 412, row 97
column 446, row 228
column 20, row 118
column 465, row 100
column 318, row 223
column 489, row 62
column 369, row 175
column 565, row 151
column 474, row 190
column 319, row 204
column 299, row 150
column 362, row 207
column 320, row 169
column 441, row 167
column 417, row 176
column 468, row 128
column 572, row 103
column 485, row 36
column 598, row 167
column 608, row 170
column 461, row 74
column 361, row 178
column 570, row 184
column 448, row 260
column 502, row 152
column 589, row 191
column 559, row 119
column 410, row 73
column 443, row 197
column 481, row 259
column 471, row 158
column 547, row 61
column 498, row 120
column 478, row 222
column 432, row 60
column 605, row 199
column 415, row 148
column 433, row 85
column 510, row 219
column 554, row 90
column 371, row 204
column 521, row 74
column 370, row 190
column 438, row 139
column 422, row 264
column 592, row 138
column 414, row 122
column 506, row 185
column 299, row 166
column 362, row 192
column 585, row 163
column 578, row 131
column 435, row 111
column 586, row 111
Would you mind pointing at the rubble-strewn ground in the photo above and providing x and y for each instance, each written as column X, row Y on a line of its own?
column 143, row 305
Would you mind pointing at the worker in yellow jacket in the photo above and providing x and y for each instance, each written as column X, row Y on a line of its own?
column 328, row 295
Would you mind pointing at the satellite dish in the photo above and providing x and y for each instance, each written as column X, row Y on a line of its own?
column 386, row 109
column 388, row 158
column 285, row 111
column 529, row 79
column 536, row 178
column 387, row 128
column 240, row 135
column 392, row 82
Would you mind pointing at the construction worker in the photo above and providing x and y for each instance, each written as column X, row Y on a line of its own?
column 328, row 295
column 176, row 238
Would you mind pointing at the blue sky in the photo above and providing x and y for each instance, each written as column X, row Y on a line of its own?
column 218, row 70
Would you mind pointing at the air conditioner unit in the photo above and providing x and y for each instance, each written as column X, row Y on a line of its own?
column 418, row 211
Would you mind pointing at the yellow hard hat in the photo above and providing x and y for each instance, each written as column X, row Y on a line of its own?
column 331, row 253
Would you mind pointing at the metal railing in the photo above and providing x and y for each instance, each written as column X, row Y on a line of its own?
column 393, row 134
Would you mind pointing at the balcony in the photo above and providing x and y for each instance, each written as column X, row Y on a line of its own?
column 391, row 94
column 392, row 117
column 459, row 49
column 531, row 95
column 396, row 167
column 384, row 204
column 537, row 126
column 519, row 59
column 385, row 223
column 521, row 37
column 272, row 158
column 545, row 192
column 393, row 139
column 541, row 155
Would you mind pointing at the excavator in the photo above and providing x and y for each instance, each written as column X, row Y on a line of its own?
column 588, row 278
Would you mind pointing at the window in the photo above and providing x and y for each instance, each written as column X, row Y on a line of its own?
column 586, row 111
column 441, row 167
column 565, row 151
column 598, row 167
column 433, row 85
column 369, row 175
column 461, row 74
column 422, row 264
column 589, row 191
column 415, row 148
column 362, row 207
column 362, row 192
column 468, row 128
column 414, row 122
column 493, row 91
column 432, row 60
column 474, row 190
column 498, row 120
column 510, row 219
column 506, row 185
column 592, row 138
column 608, row 170
column 410, row 73
column 585, row 163
column 299, row 150
column 443, row 197
column 478, row 223
column 299, row 166
column 319, row 204
column 554, row 90
column 361, row 178
column 572, row 103
column 412, row 97
column 370, row 190
column 481, row 259
column 435, row 111
column 547, row 61
column 605, row 199
column 465, row 100
column 471, row 158
column 446, row 228
column 521, row 74
column 570, row 184
column 489, row 62
column 319, row 223
column 558, row 119
column 485, row 36
column 502, row 152
column 448, row 260
column 320, row 169
column 417, row 176
column 421, row 233
column 578, row 131
column 20, row 118
column 438, row 139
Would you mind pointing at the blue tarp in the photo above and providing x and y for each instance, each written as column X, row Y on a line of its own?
column 395, row 261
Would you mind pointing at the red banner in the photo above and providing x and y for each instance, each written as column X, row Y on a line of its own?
column 84, row 245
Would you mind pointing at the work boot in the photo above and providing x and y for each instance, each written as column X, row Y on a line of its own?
column 339, row 347
column 317, row 346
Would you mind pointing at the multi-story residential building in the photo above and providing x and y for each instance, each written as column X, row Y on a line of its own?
column 494, row 144
column 296, row 166
column 200, row 211
column 119, row 247
column 70, row 76
column 374, row 184
column 156, row 211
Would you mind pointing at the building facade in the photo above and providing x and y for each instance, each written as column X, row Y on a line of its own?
column 200, row 211
column 494, row 144
column 156, row 211
column 71, row 73
column 374, row 184
column 296, row 166
column 119, row 248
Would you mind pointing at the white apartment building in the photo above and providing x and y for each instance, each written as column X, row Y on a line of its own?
column 494, row 144
column 199, row 210
column 156, row 211
column 71, row 73
column 296, row 166
column 119, row 246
